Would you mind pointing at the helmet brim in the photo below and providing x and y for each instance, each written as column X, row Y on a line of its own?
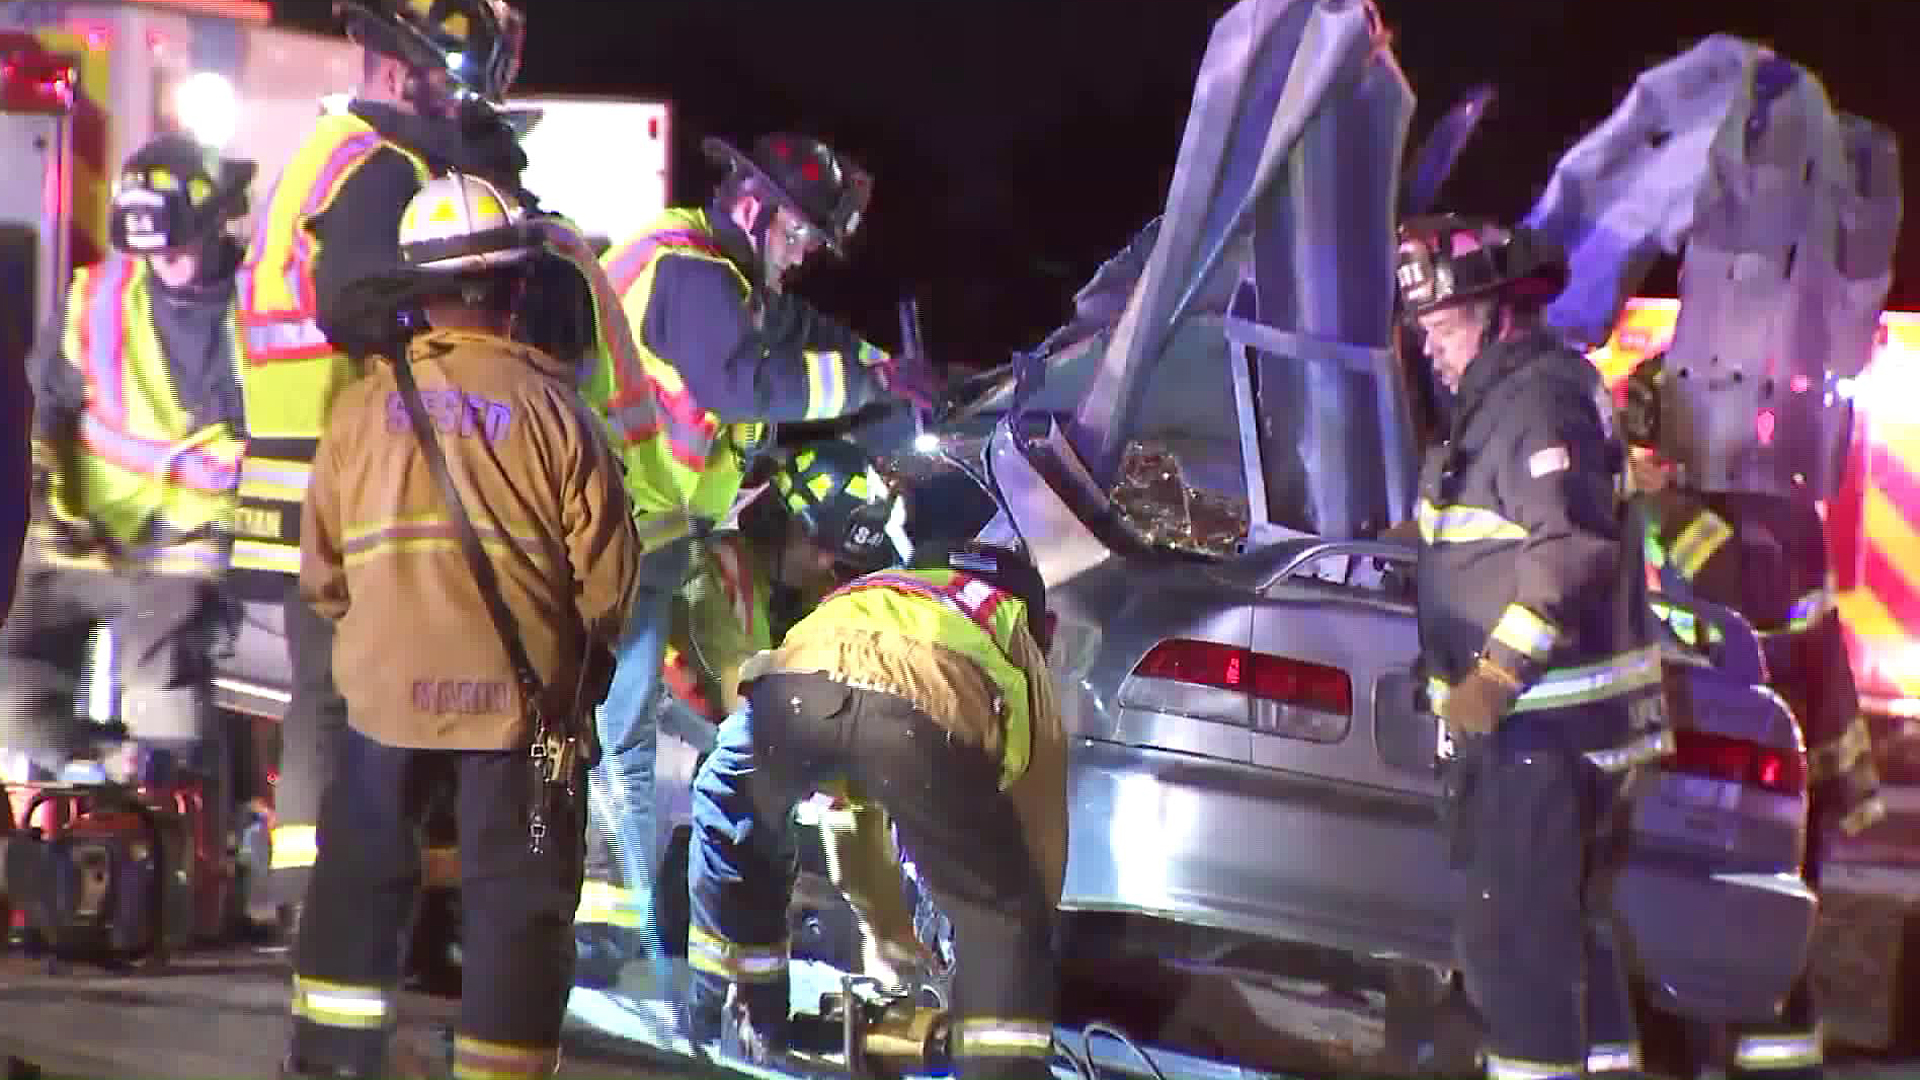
column 725, row 154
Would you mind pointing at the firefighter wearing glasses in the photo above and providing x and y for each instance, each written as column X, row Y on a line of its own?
column 431, row 71
column 138, row 433
column 725, row 352
column 433, row 701
column 927, row 693
column 1535, row 635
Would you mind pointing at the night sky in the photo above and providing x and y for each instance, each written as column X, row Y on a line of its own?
column 1015, row 145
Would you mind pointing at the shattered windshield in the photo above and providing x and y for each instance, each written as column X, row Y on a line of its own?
column 1157, row 504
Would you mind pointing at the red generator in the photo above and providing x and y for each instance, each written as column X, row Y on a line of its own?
column 111, row 875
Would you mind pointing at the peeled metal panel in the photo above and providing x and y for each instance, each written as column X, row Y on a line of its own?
column 1626, row 191
column 1786, row 271
column 1788, row 213
column 1268, row 69
column 1336, row 439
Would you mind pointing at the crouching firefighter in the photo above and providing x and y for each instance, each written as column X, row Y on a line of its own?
column 138, row 434
column 823, row 518
column 1764, row 555
column 467, row 531
column 925, row 692
column 1535, row 635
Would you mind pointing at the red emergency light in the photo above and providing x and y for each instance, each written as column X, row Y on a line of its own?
column 35, row 81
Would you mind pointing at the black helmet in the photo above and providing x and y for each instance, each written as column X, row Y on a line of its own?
column 174, row 193
column 1010, row 572
column 477, row 42
column 827, row 191
column 1640, row 420
column 842, row 507
column 1446, row 259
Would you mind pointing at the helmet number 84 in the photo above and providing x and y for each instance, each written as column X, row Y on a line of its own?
column 142, row 229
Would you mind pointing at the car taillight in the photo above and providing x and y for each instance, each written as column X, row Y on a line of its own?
column 1279, row 679
column 1737, row 761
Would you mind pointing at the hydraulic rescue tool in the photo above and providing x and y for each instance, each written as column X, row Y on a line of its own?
column 889, row 1032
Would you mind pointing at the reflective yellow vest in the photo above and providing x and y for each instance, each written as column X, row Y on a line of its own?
column 292, row 371
column 946, row 608
column 724, row 620
column 150, row 481
column 677, row 462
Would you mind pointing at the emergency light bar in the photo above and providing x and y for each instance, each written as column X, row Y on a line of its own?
column 34, row 81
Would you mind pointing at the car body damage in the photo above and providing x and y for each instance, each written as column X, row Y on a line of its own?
column 1251, row 755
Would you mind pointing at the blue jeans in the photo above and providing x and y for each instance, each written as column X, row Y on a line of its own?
column 621, row 786
column 740, row 873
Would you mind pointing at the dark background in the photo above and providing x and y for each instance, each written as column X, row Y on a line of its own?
column 1017, row 143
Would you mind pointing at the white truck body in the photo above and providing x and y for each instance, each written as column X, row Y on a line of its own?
column 216, row 69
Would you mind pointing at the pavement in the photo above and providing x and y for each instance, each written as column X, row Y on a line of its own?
column 223, row 1016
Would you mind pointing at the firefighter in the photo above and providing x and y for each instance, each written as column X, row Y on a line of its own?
column 1535, row 637
column 824, row 517
column 137, row 439
column 429, row 70
column 725, row 351
column 927, row 693
column 432, row 700
column 1764, row 556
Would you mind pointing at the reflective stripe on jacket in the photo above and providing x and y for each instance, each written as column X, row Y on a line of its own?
column 152, row 487
column 415, row 654
column 1522, row 560
column 954, row 647
column 293, row 372
column 681, row 457
column 1765, row 557
column 720, row 619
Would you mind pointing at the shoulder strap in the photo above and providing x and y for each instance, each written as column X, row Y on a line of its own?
column 503, row 621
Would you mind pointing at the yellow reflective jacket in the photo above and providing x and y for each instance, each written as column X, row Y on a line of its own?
column 683, row 461
column 148, row 487
column 959, row 650
column 720, row 619
column 293, row 372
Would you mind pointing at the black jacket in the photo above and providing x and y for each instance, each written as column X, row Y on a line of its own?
column 1522, row 556
column 359, row 233
column 1765, row 557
